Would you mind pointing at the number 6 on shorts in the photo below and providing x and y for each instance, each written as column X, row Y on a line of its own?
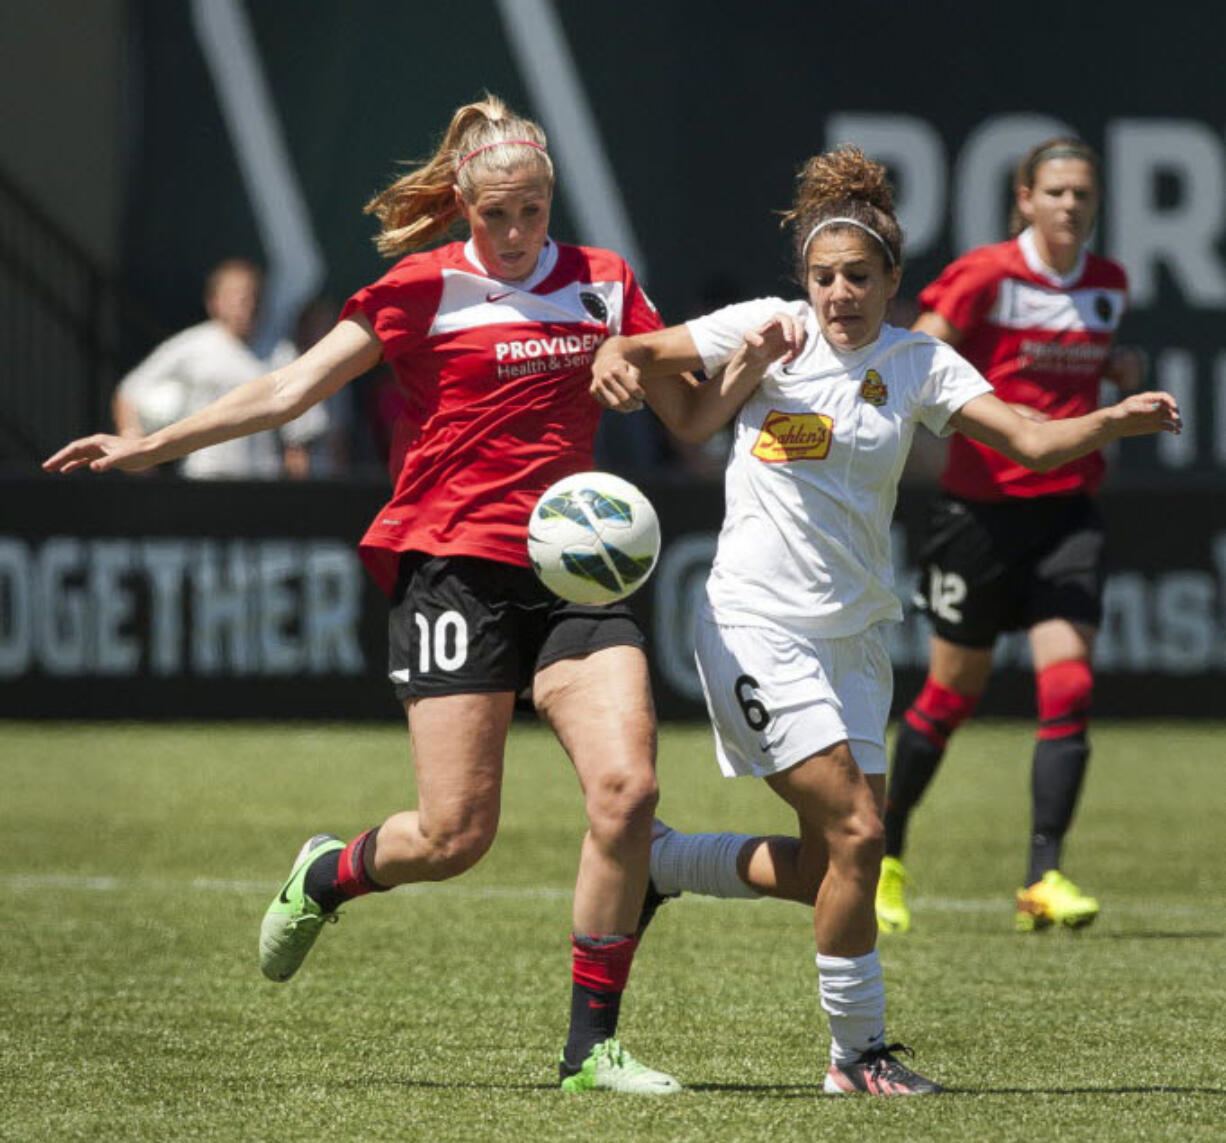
column 756, row 714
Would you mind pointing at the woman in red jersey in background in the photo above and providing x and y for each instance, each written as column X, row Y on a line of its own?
column 491, row 341
column 1008, row 548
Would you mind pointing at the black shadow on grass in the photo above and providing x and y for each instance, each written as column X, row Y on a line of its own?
column 1159, row 935
column 809, row 1091
column 1152, row 1089
column 785, row 1090
column 443, row 1085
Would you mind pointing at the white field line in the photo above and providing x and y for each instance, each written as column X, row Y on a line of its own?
column 69, row 882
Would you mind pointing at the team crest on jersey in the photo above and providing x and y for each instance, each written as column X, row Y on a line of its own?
column 1104, row 308
column 793, row 436
column 594, row 304
column 873, row 389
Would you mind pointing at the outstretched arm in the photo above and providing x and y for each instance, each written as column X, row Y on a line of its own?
column 629, row 371
column 348, row 350
column 1044, row 445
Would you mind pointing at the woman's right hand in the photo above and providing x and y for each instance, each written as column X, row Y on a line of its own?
column 102, row 452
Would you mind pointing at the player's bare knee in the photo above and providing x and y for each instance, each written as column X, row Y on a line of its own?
column 858, row 843
column 622, row 805
column 454, row 848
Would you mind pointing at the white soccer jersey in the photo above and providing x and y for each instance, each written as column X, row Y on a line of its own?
column 813, row 476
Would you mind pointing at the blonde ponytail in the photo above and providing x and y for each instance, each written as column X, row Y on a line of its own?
column 419, row 207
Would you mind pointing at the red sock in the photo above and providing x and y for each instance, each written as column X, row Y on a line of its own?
column 602, row 963
column 352, row 880
column 938, row 712
column 1064, row 691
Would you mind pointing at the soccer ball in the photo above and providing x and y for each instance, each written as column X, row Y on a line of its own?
column 593, row 538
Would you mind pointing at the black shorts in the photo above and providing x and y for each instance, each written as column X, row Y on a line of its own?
column 462, row 625
column 990, row 568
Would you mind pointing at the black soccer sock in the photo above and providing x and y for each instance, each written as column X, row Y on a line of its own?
column 600, row 969
column 320, row 881
column 593, row 1019
column 1055, row 782
column 916, row 760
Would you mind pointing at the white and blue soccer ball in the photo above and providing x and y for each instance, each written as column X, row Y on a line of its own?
column 593, row 538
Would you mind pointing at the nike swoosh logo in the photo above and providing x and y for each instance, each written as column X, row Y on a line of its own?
column 498, row 297
column 284, row 898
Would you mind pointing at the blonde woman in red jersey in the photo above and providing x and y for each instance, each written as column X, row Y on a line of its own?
column 1008, row 548
column 491, row 341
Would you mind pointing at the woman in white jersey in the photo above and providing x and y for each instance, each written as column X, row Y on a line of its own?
column 798, row 684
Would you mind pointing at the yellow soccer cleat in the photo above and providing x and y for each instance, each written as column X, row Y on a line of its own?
column 893, row 915
column 1054, row 900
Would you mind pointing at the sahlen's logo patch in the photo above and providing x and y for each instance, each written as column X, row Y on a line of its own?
column 594, row 304
column 1103, row 307
column 787, row 437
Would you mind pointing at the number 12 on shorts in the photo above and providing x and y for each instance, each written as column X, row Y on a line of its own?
column 946, row 590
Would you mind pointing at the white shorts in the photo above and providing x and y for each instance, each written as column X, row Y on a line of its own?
column 776, row 698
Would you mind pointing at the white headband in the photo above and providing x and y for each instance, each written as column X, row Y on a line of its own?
column 841, row 221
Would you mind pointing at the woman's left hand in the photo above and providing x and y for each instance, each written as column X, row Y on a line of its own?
column 1144, row 413
column 780, row 339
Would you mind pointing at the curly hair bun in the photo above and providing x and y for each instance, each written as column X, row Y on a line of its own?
column 842, row 175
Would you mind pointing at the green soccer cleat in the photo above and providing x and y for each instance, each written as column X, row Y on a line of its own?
column 893, row 915
column 293, row 921
column 1054, row 900
column 609, row 1067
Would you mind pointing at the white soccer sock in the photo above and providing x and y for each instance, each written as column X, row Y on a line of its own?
column 698, row 863
column 853, row 997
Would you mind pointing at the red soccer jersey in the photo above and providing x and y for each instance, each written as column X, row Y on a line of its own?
column 1042, row 341
column 496, row 378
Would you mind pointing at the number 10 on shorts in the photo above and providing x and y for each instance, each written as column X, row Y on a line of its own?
column 442, row 645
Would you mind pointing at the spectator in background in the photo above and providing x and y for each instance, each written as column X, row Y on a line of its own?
column 193, row 368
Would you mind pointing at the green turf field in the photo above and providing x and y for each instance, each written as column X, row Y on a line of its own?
column 137, row 861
